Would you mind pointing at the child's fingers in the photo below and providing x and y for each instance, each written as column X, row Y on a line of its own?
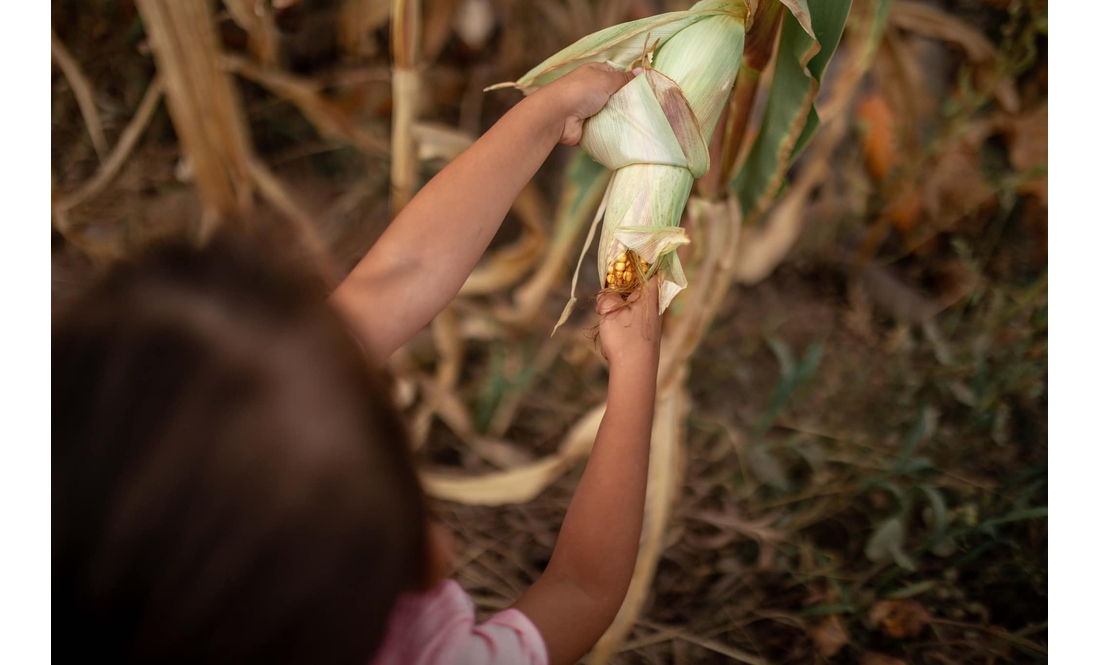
column 612, row 78
column 648, row 294
column 607, row 303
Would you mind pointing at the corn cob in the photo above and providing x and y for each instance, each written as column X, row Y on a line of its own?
column 653, row 133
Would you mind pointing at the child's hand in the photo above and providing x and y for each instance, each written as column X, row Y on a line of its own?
column 581, row 94
column 630, row 334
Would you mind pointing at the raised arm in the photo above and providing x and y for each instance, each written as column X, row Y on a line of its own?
column 421, row 261
column 584, row 584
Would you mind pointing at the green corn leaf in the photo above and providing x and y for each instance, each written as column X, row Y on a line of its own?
column 790, row 119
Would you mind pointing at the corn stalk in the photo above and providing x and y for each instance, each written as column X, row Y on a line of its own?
column 405, row 47
column 202, row 102
column 643, row 129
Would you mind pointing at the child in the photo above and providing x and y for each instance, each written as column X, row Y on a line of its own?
column 232, row 485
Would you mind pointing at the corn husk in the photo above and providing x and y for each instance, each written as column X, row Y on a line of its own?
column 653, row 133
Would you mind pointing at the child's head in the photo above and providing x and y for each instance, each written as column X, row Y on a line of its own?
column 230, row 482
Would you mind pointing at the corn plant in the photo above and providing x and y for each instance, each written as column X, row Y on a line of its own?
column 679, row 126
column 654, row 133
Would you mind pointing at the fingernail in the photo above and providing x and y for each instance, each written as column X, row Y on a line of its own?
column 636, row 71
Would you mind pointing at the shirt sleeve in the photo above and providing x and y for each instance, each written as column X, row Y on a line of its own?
column 438, row 628
column 507, row 637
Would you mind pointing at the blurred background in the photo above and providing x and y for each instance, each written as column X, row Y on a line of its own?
column 850, row 453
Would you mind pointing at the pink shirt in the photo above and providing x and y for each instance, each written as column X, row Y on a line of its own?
column 438, row 628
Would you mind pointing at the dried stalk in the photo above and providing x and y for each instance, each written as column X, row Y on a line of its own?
column 257, row 18
column 328, row 119
column 451, row 349
column 126, row 143
column 358, row 19
column 405, row 46
column 202, row 102
column 85, row 97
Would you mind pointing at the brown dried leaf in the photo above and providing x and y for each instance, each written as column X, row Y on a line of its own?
column 258, row 21
column 956, row 187
column 932, row 22
column 899, row 618
column 830, row 636
column 880, row 148
column 1028, row 149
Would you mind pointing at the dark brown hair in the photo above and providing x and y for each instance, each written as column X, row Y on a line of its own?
column 230, row 481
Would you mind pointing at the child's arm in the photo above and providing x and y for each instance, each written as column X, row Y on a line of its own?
column 584, row 584
column 426, row 254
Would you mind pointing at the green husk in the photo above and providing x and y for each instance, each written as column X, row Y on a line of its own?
column 654, row 132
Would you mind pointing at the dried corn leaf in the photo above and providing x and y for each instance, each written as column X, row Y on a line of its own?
column 257, row 19
column 520, row 484
column 719, row 225
column 126, row 143
column 504, row 267
column 327, row 117
column 765, row 245
column 932, row 22
column 438, row 141
column 82, row 90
